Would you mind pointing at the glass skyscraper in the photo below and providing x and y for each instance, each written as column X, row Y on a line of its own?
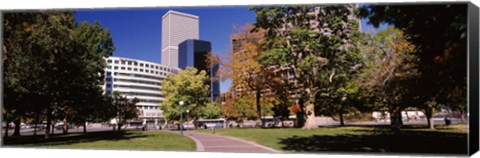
column 193, row 53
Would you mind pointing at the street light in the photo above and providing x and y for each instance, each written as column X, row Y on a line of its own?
column 181, row 118
column 187, row 118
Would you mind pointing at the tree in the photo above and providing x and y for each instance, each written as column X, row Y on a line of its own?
column 47, row 59
column 439, row 31
column 124, row 109
column 228, row 109
column 242, row 67
column 313, row 41
column 210, row 111
column 281, row 110
column 390, row 72
column 245, row 107
column 189, row 86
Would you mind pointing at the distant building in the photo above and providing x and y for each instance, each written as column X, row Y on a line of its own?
column 193, row 53
column 176, row 28
column 138, row 79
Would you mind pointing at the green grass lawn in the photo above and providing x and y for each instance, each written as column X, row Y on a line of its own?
column 444, row 140
column 131, row 140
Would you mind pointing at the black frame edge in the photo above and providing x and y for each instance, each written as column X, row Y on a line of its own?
column 473, row 72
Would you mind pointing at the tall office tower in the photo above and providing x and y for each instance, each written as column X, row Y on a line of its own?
column 193, row 53
column 176, row 27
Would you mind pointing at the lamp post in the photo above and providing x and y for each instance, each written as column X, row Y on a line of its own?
column 181, row 118
column 186, row 118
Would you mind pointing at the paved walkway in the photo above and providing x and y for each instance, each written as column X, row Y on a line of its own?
column 217, row 143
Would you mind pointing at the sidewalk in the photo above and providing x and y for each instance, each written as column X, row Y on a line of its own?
column 217, row 143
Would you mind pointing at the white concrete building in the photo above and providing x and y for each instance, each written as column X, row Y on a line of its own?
column 141, row 79
column 176, row 28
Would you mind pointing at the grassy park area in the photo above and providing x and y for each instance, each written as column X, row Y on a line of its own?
column 125, row 140
column 443, row 140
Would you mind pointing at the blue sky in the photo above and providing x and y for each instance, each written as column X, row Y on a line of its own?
column 136, row 33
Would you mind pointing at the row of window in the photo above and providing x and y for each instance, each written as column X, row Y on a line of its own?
column 133, row 75
column 136, row 81
column 136, row 69
column 135, row 87
column 149, row 107
column 150, row 101
column 134, row 63
column 141, row 94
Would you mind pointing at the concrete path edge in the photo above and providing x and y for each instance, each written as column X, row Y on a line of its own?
column 197, row 143
column 245, row 141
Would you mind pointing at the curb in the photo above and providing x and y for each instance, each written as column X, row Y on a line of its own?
column 197, row 143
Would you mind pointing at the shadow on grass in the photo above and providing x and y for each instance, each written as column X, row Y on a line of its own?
column 60, row 139
column 381, row 141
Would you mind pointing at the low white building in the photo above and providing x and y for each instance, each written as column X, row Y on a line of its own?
column 138, row 79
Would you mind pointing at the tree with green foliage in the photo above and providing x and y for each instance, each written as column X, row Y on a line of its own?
column 440, row 33
column 313, row 41
column 210, row 111
column 245, row 108
column 124, row 109
column 390, row 72
column 47, row 59
column 191, row 87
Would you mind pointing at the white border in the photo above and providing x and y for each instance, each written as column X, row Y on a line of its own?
column 18, row 5
column 88, row 4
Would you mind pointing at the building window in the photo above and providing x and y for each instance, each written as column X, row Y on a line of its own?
column 146, row 71
column 135, row 69
column 141, row 64
column 156, row 67
column 116, row 61
column 146, row 65
column 123, row 68
column 141, row 70
column 123, row 62
column 129, row 63
column 129, row 68
column 109, row 67
column 116, row 67
column 109, row 61
column 109, row 85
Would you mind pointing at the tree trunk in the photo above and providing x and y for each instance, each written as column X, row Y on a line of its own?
column 49, row 122
column 342, row 123
column 429, row 113
column 6, row 129
column 462, row 116
column 16, row 132
column 85, row 127
column 259, row 110
column 301, row 114
column 310, row 121
column 53, row 128
column 36, row 123
column 396, row 118
column 119, row 127
column 65, row 126
column 283, row 125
